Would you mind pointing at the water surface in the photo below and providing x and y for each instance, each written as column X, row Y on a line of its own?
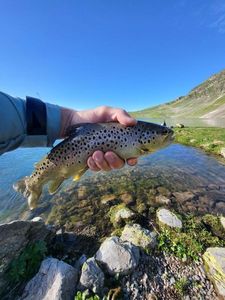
column 177, row 168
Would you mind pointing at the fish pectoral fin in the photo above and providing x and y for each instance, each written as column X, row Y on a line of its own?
column 78, row 175
column 55, row 184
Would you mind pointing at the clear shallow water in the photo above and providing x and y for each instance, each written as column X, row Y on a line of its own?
column 176, row 168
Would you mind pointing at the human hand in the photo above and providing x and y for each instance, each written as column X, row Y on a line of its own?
column 100, row 160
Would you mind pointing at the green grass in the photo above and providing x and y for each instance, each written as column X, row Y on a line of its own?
column 212, row 140
column 189, row 242
column 181, row 285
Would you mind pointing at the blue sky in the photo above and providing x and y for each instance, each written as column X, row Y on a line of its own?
column 128, row 53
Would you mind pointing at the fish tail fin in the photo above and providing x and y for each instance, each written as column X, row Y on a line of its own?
column 20, row 186
column 32, row 196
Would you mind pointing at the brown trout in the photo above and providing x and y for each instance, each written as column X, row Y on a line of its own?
column 69, row 158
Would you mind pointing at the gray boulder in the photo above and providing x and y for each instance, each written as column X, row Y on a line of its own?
column 222, row 220
column 15, row 236
column 214, row 260
column 55, row 280
column 92, row 276
column 139, row 236
column 166, row 217
column 118, row 257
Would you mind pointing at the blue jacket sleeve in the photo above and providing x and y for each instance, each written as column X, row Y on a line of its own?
column 13, row 125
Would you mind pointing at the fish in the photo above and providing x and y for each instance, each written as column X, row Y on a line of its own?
column 69, row 157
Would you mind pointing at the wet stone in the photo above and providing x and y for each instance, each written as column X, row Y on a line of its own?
column 162, row 200
column 166, row 217
column 184, row 196
column 108, row 199
column 220, row 207
column 82, row 192
column 139, row 236
column 163, row 191
column 127, row 198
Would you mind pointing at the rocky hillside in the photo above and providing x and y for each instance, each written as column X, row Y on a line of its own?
column 207, row 100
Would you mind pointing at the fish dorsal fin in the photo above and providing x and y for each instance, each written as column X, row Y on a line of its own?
column 74, row 129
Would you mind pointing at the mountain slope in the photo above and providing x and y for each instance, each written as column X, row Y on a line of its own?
column 207, row 100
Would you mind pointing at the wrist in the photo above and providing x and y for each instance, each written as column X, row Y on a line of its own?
column 67, row 119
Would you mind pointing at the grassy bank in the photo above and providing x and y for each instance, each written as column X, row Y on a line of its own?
column 211, row 140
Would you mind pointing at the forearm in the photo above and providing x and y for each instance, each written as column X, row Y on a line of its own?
column 13, row 125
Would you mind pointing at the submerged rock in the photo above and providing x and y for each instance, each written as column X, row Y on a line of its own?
column 108, row 199
column 119, row 213
column 184, row 196
column 127, row 198
column 166, row 217
column 162, row 200
column 118, row 257
column 139, row 236
column 92, row 276
column 55, row 280
column 214, row 259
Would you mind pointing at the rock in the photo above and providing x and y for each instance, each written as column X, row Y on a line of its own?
column 166, row 217
column 162, row 200
column 179, row 125
column 222, row 221
column 105, row 199
column 127, row 198
column 15, row 236
column 55, row 280
column 118, row 257
column 37, row 219
column 220, row 207
column 163, row 191
column 214, row 223
column 222, row 152
column 214, row 260
column 82, row 192
column 184, row 196
column 120, row 213
column 139, row 236
column 92, row 276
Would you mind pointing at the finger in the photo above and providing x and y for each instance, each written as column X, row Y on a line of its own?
column 113, row 160
column 132, row 161
column 92, row 165
column 124, row 118
column 101, row 163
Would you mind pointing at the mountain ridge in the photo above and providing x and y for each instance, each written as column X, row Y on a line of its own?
column 206, row 100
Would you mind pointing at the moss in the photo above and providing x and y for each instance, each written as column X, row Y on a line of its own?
column 191, row 241
column 28, row 262
column 214, row 224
